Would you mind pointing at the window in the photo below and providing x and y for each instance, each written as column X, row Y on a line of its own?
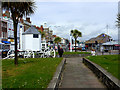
column 35, row 36
column 43, row 44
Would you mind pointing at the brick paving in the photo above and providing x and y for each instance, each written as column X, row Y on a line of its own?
column 77, row 75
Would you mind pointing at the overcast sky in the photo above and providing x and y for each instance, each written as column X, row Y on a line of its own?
column 90, row 18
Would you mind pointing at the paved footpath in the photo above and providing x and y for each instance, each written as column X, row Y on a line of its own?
column 77, row 75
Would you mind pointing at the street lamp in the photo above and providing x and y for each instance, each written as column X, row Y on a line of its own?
column 70, row 42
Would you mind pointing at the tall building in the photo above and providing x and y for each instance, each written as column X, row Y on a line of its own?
column 48, row 34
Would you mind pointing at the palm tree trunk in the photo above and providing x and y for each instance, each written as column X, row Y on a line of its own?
column 15, row 36
column 75, row 44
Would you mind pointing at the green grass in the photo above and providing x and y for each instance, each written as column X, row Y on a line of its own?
column 30, row 73
column 66, row 53
column 109, row 62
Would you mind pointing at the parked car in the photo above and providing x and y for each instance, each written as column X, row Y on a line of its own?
column 106, row 50
column 4, row 53
column 83, row 49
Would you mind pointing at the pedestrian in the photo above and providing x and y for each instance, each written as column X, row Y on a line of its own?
column 93, row 52
column 60, row 51
column 102, row 49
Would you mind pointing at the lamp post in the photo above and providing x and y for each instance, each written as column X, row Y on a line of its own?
column 70, row 42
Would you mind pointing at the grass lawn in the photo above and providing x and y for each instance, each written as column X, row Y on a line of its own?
column 66, row 53
column 109, row 62
column 30, row 73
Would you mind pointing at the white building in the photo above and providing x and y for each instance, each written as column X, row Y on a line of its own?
column 43, row 44
column 112, row 45
column 10, row 32
column 31, row 39
column 20, row 29
column 63, row 41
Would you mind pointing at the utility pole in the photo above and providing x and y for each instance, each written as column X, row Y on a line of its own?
column 107, row 32
column 107, row 28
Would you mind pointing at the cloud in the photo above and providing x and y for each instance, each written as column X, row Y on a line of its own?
column 88, row 31
column 76, row 0
column 90, row 18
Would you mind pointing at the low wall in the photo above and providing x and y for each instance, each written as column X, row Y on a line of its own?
column 105, row 77
column 54, row 83
column 75, row 55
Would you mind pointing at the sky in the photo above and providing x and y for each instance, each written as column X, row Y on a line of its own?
column 90, row 18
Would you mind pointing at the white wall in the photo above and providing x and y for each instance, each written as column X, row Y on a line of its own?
column 21, row 30
column 63, row 40
column 10, row 26
column 30, row 43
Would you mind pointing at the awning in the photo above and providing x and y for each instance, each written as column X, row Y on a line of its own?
column 118, row 45
column 6, row 42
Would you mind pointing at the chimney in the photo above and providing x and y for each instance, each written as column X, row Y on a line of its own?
column 28, row 19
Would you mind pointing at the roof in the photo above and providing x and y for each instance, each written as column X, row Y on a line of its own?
column 111, row 43
column 102, row 38
column 54, row 35
column 6, row 42
column 31, row 30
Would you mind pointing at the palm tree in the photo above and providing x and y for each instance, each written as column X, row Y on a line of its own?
column 57, row 40
column 75, row 33
column 118, row 25
column 18, row 10
column 118, row 20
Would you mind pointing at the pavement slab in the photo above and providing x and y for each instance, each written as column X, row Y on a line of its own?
column 77, row 75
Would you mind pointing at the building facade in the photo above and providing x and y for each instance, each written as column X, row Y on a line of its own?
column 31, row 39
column 96, row 43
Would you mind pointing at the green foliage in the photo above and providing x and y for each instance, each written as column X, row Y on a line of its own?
column 118, row 20
column 109, row 62
column 18, row 10
column 57, row 40
column 30, row 72
column 42, row 34
column 75, row 33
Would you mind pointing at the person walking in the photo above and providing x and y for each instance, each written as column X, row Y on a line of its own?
column 60, row 51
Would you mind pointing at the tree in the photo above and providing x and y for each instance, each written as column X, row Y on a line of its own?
column 118, row 25
column 42, row 34
column 57, row 40
column 18, row 10
column 118, row 20
column 75, row 33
